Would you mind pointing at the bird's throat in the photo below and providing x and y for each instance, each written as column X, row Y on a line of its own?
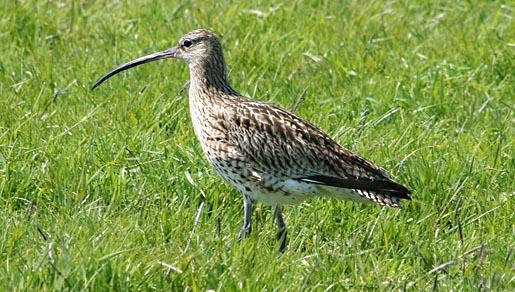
column 210, row 76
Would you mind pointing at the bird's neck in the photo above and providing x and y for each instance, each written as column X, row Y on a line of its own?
column 209, row 76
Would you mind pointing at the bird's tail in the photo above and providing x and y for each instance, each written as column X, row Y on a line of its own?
column 383, row 192
column 361, row 196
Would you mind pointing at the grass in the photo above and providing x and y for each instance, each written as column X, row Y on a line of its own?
column 109, row 190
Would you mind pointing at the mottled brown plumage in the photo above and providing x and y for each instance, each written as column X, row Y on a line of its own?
column 269, row 154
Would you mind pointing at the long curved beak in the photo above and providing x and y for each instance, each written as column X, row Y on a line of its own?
column 170, row 53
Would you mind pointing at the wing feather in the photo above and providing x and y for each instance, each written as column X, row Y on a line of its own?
column 364, row 184
column 280, row 143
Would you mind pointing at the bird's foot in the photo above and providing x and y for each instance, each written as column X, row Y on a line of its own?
column 281, row 237
column 245, row 232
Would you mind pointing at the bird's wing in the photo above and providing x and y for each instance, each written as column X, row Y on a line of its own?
column 279, row 142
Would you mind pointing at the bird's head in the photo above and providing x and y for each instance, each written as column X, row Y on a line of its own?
column 198, row 48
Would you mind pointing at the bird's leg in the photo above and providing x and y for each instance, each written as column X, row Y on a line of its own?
column 247, row 218
column 281, row 234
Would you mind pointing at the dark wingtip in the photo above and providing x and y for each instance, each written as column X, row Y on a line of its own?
column 401, row 191
column 367, row 184
column 405, row 195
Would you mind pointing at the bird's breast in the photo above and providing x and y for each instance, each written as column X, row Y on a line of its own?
column 211, row 128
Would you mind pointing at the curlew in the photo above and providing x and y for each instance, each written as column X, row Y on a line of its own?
column 269, row 154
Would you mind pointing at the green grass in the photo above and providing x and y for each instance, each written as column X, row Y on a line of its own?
column 101, row 189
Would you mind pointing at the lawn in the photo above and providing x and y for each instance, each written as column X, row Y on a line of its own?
column 108, row 189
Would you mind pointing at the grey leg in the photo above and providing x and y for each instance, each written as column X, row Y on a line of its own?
column 281, row 234
column 247, row 217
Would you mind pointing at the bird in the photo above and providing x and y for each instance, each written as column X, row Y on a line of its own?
column 269, row 154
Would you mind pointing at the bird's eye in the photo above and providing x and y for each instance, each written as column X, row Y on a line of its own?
column 187, row 43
